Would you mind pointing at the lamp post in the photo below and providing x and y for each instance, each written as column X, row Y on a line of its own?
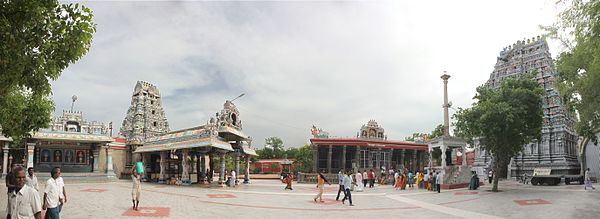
column 241, row 95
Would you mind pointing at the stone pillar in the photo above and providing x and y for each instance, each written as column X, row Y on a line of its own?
column 357, row 157
column 145, row 161
column 96, row 155
column 370, row 158
column 464, row 157
column 391, row 163
column 315, row 158
column 402, row 157
column 135, row 157
column 109, row 164
column 443, row 148
column 5, row 159
column 329, row 159
column 30, row 148
column 247, row 170
column 202, row 169
column 211, row 169
column 378, row 159
column 185, row 175
column 163, row 165
column 445, row 77
column 414, row 161
column 222, row 169
column 344, row 158
column 237, row 167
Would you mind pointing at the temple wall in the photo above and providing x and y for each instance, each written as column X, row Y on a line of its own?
column 118, row 157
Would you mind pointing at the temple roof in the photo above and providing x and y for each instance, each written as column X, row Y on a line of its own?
column 70, row 136
column 185, row 144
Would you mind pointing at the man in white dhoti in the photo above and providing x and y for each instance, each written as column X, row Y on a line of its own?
column 359, row 186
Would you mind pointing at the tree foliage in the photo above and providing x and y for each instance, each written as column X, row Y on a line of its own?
column 504, row 119
column 578, row 81
column 274, row 149
column 38, row 40
column 579, row 67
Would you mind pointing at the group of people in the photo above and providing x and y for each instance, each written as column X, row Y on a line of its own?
column 24, row 198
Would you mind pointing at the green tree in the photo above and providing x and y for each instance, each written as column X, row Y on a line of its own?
column 437, row 132
column 265, row 153
column 504, row 119
column 38, row 40
column 304, row 159
column 277, row 145
column 578, row 81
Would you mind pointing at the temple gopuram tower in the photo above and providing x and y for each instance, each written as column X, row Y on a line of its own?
column 556, row 149
column 145, row 117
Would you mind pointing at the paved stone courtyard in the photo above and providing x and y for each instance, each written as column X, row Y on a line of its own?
column 268, row 199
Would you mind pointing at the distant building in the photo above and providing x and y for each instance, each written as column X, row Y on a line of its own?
column 273, row 165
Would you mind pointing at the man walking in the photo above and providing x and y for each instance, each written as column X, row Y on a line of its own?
column 321, row 180
column 52, row 196
column 23, row 201
column 365, row 178
column 588, row 180
column 62, row 194
column 31, row 179
column 340, row 182
column 137, row 189
column 10, row 181
column 433, row 181
column 347, row 183
column 438, row 180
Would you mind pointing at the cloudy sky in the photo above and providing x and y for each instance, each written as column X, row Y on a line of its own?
column 332, row 64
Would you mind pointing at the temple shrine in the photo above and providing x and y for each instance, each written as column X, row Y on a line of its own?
column 79, row 147
column 369, row 150
column 186, row 155
column 556, row 149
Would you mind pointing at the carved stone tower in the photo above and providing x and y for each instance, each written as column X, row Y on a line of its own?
column 557, row 148
column 145, row 117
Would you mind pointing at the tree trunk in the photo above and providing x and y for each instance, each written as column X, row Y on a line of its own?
column 495, row 179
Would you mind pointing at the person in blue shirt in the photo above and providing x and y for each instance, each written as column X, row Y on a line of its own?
column 347, row 183
column 340, row 181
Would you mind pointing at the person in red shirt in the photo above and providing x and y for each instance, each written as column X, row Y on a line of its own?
column 371, row 178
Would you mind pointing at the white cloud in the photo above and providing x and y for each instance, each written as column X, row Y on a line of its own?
column 335, row 65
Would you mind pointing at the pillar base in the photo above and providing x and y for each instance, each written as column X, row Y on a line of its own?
column 111, row 174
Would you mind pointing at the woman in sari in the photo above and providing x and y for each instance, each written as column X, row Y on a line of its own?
column 288, row 180
column 417, row 180
column 403, row 181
